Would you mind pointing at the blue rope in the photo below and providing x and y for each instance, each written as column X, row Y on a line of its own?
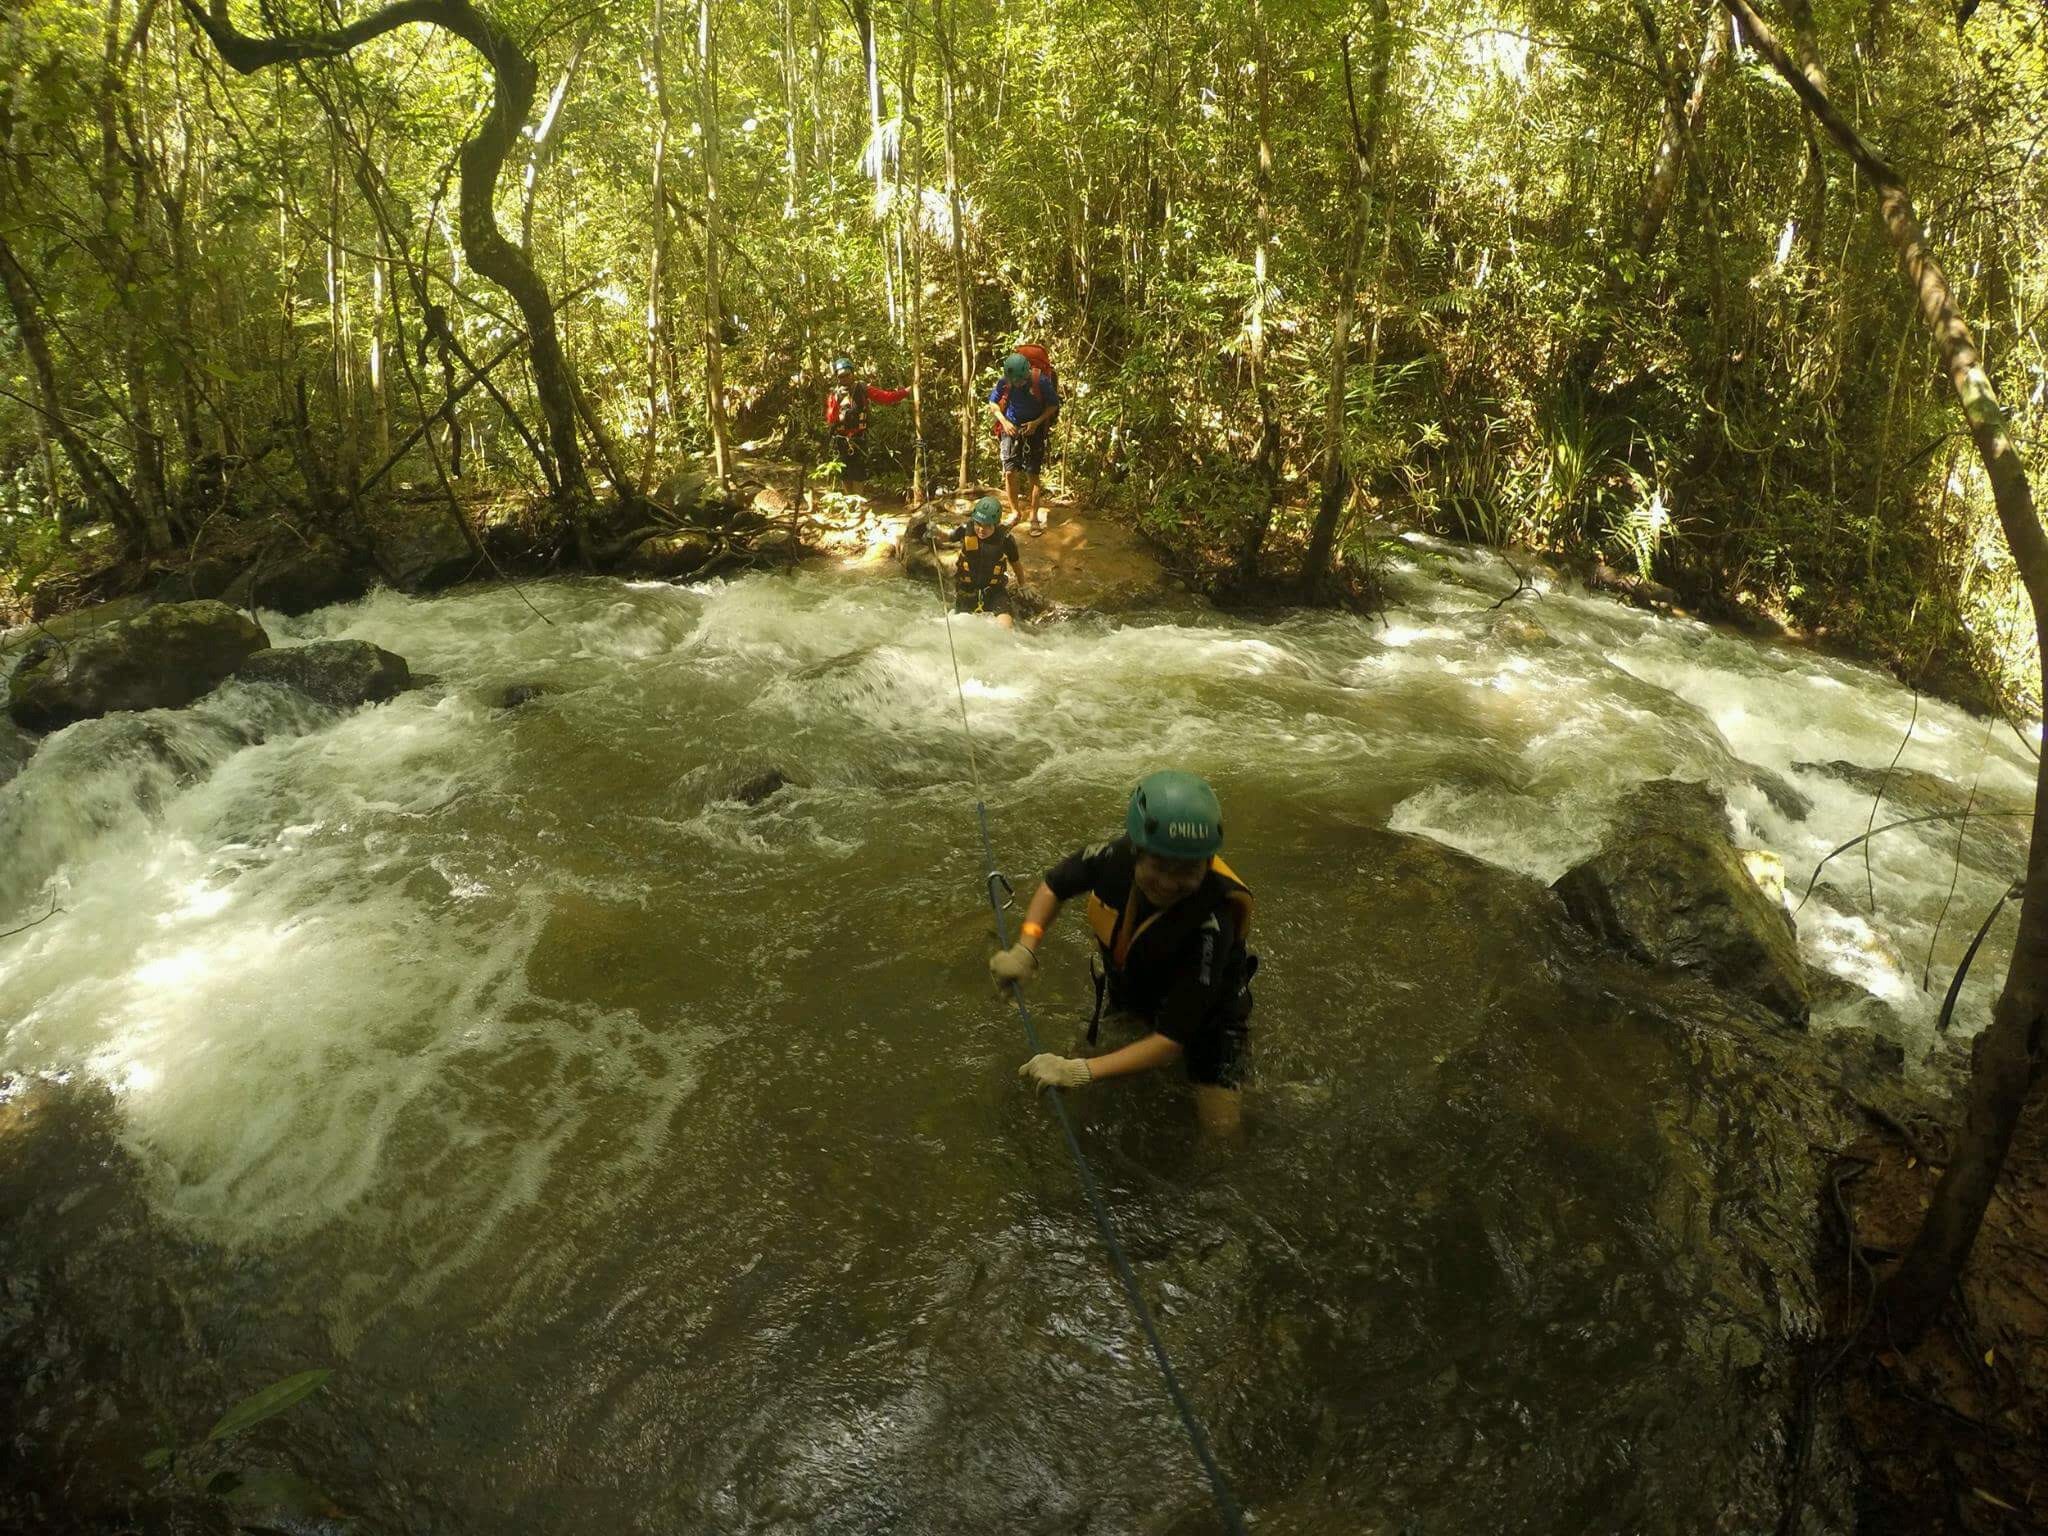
column 1219, row 1485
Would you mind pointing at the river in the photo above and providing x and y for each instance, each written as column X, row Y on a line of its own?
column 643, row 1160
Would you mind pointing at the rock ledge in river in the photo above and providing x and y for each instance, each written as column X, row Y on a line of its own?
column 342, row 674
column 1671, row 889
column 163, row 658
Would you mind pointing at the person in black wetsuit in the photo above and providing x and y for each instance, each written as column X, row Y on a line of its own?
column 988, row 556
column 1170, row 920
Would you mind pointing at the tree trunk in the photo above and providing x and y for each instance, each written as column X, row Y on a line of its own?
column 1255, row 329
column 864, row 24
column 657, row 263
column 1683, row 116
column 1682, row 119
column 1806, row 47
column 2010, row 1052
column 103, row 489
column 714, row 233
column 1336, row 478
column 118, row 233
column 948, row 88
column 913, row 285
column 484, row 245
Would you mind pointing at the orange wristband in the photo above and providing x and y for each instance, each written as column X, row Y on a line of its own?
column 1031, row 931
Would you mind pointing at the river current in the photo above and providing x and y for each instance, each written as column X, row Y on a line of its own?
column 646, row 1160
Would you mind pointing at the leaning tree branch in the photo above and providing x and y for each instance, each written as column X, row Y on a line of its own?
column 481, row 158
column 2013, row 1048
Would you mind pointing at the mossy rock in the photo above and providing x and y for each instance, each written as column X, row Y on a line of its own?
column 163, row 658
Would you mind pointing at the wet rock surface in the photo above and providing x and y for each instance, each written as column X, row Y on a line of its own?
column 342, row 674
column 16, row 747
column 1670, row 888
column 420, row 548
column 297, row 576
column 164, row 657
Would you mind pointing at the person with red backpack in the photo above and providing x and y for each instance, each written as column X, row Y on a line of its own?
column 846, row 416
column 1024, row 404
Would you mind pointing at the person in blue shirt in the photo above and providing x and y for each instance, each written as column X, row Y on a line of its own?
column 1024, row 404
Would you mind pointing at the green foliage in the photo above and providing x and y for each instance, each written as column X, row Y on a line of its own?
column 1766, row 390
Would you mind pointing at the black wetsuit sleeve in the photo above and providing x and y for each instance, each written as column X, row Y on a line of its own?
column 1203, row 982
column 1076, row 873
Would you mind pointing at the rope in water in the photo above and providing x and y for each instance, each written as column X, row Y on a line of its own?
column 1219, row 1485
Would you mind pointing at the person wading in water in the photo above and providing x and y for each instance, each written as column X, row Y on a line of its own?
column 1170, row 920
column 981, row 582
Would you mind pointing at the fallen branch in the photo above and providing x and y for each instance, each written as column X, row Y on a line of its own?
column 24, row 928
column 1890, row 826
column 476, row 377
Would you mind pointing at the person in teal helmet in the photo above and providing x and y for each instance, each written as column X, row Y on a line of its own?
column 1171, row 923
column 988, row 554
column 1022, row 407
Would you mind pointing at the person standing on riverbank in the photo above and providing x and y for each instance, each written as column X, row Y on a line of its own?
column 1024, row 404
column 1170, row 921
column 846, row 416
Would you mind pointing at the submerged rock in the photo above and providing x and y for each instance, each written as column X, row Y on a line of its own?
column 16, row 748
column 754, row 790
column 681, row 555
column 163, row 658
column 518, row 694
column 342, row 674
column 1671, row 889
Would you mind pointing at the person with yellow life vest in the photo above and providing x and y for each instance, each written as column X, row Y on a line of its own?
column 980, row 582
column 1171, row 921
column 1023, row 406
column 847, row 405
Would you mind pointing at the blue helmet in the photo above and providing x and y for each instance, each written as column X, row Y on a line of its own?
column 842, row 365
column 988, row 511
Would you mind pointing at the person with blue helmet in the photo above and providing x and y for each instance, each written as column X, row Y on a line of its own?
column 988, row 555
column 847, row 404
column 1171, row 922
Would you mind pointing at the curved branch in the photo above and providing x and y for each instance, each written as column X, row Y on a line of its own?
column 489, row 252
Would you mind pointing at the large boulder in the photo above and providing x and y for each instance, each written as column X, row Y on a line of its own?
column 420, row 547
column 342, row 674
column 1671, row 889
column 669, row 558
column 295, row 577
column 163, row 658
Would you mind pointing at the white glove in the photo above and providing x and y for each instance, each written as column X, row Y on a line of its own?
column 1050, row 1071
column 1017, row 963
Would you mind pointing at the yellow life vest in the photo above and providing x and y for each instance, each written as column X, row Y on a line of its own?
column 1118, row 931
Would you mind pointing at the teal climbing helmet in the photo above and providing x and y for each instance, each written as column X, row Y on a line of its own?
column 1016, row 367
column 842, row 365
column 988, row 511
column 1175, row 815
